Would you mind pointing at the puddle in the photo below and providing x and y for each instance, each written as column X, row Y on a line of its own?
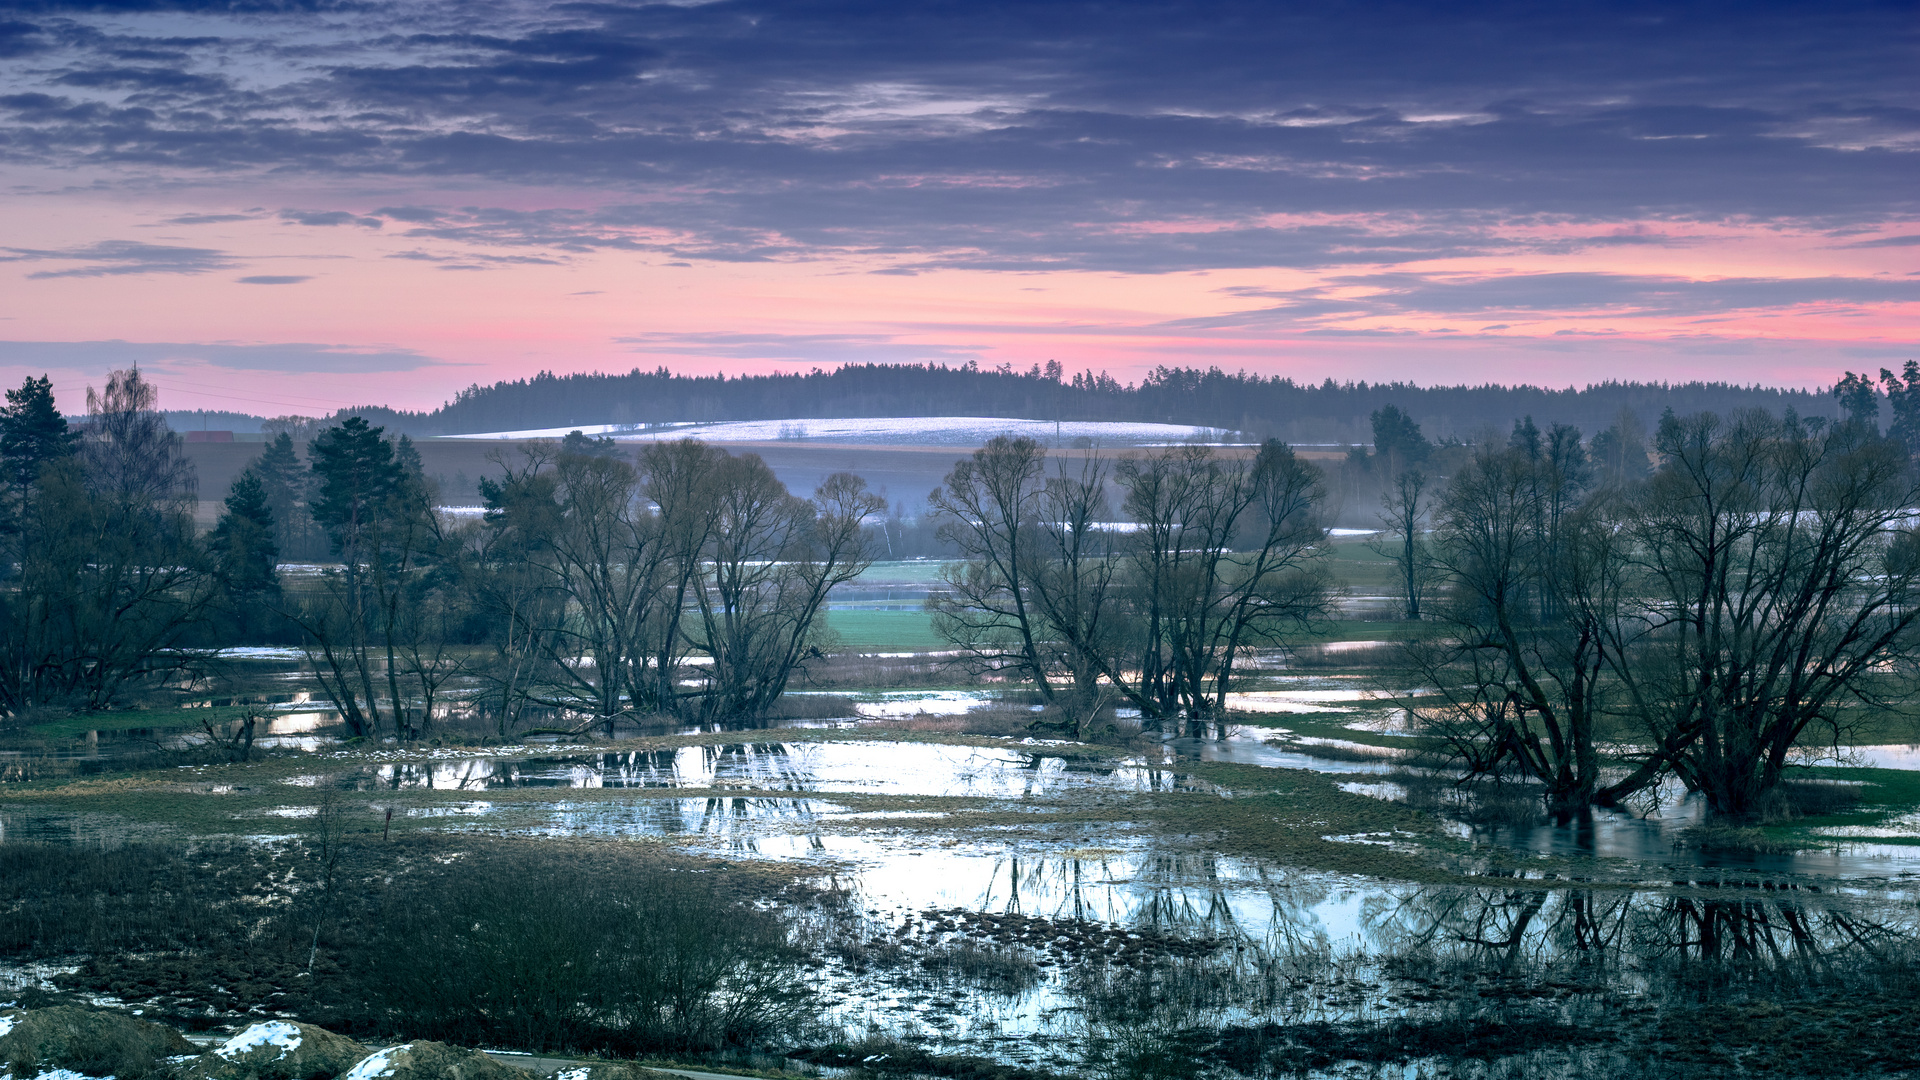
column 744, row 826
column 1248, row 746
column 867, row 767
column 1301, row 701
column 1890, row 756
column 900, row 704
column 1660, row 839
column 1276, row 941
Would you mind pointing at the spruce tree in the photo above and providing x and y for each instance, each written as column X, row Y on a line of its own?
column 32, row 431
column 283, row 480
column 243, row 541
column 354, row 474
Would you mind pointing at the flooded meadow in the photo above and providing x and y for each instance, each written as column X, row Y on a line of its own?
column 1304, row 894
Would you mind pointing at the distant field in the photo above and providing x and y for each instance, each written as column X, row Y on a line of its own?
column 903, row 572
column 884, row 631
column 964, row 432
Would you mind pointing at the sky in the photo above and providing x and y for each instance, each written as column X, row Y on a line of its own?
column 295, row 206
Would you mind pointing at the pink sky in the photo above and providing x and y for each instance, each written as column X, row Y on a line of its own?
column 613, row 309
column 383, row 206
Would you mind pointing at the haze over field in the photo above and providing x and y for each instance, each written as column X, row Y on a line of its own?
column 279, row 208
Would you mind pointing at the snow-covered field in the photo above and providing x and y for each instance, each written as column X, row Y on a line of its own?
column 958, row 431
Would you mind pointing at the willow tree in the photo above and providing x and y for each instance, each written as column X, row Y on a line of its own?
column 1223, row 556
column 771, row 562
column 1519, row 681
column 1779, row 582
column 1227, row 556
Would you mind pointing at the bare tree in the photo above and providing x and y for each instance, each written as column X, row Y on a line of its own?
column 1075, row 574
column 1760, row 584
column 509, row 580
column 679, row 478
column 1226, row 557
column 1403, row 537
column 132, row 456
column 603, row 578
column 580, row 566
column 1533, row 586
column 1780, row 577
column 773, row 561
column 990, row 509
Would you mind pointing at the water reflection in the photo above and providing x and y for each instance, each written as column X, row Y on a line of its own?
column 736, row 824
column 1130, row 935
column 1663, row 837
column 875, row 767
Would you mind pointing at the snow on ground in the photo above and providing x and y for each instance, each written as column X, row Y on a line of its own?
column 377, row 1064
column 963, row 431
column 260, row 652
column 272, row 1033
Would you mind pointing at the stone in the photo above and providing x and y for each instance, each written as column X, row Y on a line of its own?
column 425, row 1060
column 85, row 1041
column 277, row 1050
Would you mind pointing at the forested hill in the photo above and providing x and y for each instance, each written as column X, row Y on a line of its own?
column 1329, row 412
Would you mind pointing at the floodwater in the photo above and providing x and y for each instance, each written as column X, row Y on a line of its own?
column 1277, row 944
column 884, row 768
column 1114, row 905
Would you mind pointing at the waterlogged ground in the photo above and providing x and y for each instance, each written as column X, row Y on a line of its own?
column 1016, row 898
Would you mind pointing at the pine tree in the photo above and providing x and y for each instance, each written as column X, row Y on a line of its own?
column 243, row 541
column 32, row 431
column 284, row 482
column 1904, row 396
column 407, row 457
column 1856, row 395
column 1397, row 440
column 354, row 474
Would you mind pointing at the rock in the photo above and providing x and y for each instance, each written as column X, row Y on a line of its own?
column 277, row 1050
column 85, row 1041
column 431, row 1061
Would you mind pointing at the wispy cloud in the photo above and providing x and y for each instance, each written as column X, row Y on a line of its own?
column 113, row 257
column 827, row 349
column 283, row 357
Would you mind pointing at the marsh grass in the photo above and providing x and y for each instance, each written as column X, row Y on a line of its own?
column 549, row 946
column 995, row 969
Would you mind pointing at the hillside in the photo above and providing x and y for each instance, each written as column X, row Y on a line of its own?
column 1328, row 412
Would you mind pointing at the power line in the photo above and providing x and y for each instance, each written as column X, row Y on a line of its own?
column 194, row 389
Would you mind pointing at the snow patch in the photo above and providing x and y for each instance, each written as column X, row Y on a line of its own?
column 67, row 1074
column 376, row 1064
column 570, row 1074
column 7, row 1022
column 272, row 1033
column 261, row 652
column 958, row 431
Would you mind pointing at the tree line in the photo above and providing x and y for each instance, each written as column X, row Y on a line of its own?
column 1713, row 595
column 1258, row 406
column 688, row 581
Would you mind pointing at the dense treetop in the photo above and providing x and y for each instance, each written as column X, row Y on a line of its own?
column 1259, row 406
